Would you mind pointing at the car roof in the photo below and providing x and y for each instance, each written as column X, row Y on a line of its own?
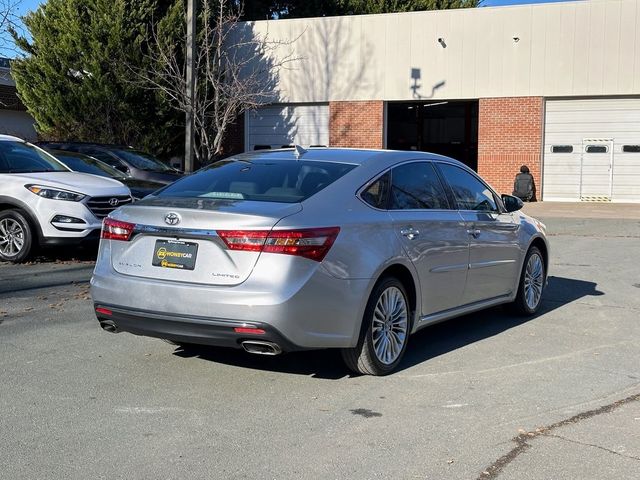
column 10, row 138
column 357, row 156
column 67, row 153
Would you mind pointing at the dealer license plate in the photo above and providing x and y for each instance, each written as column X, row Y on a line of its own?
column 175, row 254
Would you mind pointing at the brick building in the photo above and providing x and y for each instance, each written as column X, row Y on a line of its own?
column 554, row 86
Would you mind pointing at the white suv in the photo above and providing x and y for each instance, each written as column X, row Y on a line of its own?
column 42, row 202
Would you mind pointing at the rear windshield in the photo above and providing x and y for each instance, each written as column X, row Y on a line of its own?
column 262, row 180
column 20, row 157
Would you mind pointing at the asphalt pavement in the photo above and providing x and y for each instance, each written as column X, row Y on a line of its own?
column 484, row 396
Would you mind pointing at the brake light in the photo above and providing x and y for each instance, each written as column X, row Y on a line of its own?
column 116, row 230
column 104, row 311
column 311, row 243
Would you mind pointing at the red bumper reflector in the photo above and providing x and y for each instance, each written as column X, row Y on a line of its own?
column 251, row 331
column 104, row 311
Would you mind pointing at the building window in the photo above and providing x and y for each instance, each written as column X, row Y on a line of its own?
column 561, row 148
column 631, row 148
column 596, row 149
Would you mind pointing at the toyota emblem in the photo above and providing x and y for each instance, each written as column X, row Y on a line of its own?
column 172, row 218
column 114, row 202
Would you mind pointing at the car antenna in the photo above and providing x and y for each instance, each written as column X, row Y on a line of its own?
column 298, row 151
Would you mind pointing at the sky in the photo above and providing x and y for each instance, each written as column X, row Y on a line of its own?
column 27, row 5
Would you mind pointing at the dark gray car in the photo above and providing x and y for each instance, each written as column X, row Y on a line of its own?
column 133, row 163
column 79, row 162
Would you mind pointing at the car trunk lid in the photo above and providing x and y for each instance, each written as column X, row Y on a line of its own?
column 178, row 241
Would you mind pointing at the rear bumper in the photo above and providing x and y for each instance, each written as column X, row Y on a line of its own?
column 316, row 312
column 189, row 329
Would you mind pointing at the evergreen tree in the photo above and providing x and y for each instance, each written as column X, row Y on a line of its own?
column 74, row 76
column 264, row 9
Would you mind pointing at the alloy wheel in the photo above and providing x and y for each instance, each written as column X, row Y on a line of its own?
column 533, row 281
column 390, row 322
column 11, row 237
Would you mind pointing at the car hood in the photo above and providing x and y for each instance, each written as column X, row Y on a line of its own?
column 85, row 183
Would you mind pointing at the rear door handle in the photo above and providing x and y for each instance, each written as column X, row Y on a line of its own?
column 475, row 233
column 410, row 233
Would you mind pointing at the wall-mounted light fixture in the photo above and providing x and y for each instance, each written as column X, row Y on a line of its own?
column 516, row 39
column 442, row 42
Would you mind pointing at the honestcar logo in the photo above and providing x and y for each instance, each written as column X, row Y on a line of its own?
column 163, row 253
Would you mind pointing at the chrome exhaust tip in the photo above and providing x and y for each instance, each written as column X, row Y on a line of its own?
column 109, row 326
column 261, row 348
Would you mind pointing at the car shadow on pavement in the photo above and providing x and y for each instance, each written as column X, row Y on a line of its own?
column 428, row 343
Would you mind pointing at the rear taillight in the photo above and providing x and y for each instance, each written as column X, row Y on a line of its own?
column 311, row 243
column 116, row 230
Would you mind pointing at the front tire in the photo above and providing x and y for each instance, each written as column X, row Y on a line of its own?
column 16, row 237
column 385, row 331
column 531, row 286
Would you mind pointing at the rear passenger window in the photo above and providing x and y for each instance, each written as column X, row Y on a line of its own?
column 417, row 186
column 470, row 193
column 377, row 193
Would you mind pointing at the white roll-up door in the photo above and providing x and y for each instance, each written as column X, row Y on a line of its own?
column 592, row 150
column 276, row 126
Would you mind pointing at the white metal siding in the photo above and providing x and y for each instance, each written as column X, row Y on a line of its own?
column 279, row 125
column 584, row 48
column 579, row 122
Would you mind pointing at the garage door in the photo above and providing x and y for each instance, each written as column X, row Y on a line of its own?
column 592, row 150
column 276, row 126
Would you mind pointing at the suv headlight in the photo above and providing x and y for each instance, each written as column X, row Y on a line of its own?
column 55, row 193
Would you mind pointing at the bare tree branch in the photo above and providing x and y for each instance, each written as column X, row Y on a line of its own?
column 9, row 21
column 237, row 71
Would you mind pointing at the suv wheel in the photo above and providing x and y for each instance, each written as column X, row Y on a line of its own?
column 385, row 328
column 16, row 237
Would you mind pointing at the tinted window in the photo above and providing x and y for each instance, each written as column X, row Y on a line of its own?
column 103, row 157
column 469, row 192
column 260, row 180
column 377, row 193
column 562, row 149
column 143, row 161
column 416, row 186
column 86, row 164
column 597, row 149
column 19, row 157
column 631, row 148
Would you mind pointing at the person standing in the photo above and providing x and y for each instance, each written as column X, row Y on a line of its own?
column 523, row 186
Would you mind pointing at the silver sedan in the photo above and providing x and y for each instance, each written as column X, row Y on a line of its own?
column 290, row 249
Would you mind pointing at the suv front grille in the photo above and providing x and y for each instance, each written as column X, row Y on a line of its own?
column 103, row 206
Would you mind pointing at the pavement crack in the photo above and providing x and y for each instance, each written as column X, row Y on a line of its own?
column 570, row 440
column 523, row 439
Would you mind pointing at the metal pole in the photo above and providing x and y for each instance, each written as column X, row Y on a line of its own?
column 191, row 57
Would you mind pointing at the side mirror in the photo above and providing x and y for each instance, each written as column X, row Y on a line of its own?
column 512, row 203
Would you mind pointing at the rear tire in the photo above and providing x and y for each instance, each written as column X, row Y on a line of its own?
column 16, row 237
column 385, row 330
column 531, row 285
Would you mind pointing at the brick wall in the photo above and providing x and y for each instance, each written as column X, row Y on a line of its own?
column 356, row 124
column 510, row 135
